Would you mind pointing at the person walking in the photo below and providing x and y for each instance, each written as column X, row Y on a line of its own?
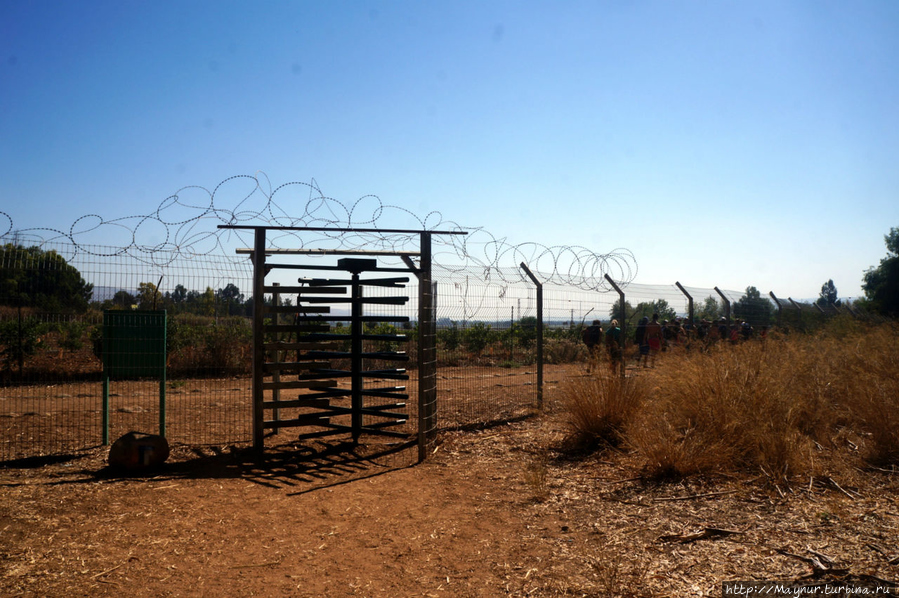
column 592, row 337
column 654, row 339
column 642, row 343
column 613, row 345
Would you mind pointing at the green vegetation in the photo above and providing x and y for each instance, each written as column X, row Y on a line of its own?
column 19, row 339
column 881, row 283
column 754, row 308
column 42, row 280
column 645, row 308
column 828, row 295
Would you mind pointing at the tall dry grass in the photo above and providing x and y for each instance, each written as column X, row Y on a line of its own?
column 730, row 409
column 782, row 407
column 872, row 371
column 803, row 405
column 599, row 407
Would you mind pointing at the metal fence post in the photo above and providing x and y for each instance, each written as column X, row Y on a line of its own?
column 623, row 323
column 427, row 351
column 689, row 301
column 258, row 340
column 798, row 310
column 276, row 356
column 779, row 307
column 726, row 303
column 539, row 286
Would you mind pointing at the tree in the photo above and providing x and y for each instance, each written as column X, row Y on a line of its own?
column 121, row 300
column 231, row 297
column 147, row 295
column 881, row 284
column 644, row 308
column 32, row 277
column 526, row 331
column 828, row 295
column 20, row 339
column 754, row 308
column 648, row 308
column 207, row 302
column 615, row 312
column 179, row 294
column 709, row 310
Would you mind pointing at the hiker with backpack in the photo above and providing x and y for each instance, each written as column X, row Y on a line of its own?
column 592, row 337
column 642, row 342
column 613, row 345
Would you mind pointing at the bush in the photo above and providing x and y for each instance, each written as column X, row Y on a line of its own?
column 737, row 407
column 872, row 402
column 478, row 337
column 71, row 335
column 773, row 407
column 20, row 339
column 557, row 351
column 449, row 339
column 600, row 407
column 199, row 345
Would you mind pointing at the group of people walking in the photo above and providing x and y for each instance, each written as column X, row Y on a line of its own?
column 653, row 336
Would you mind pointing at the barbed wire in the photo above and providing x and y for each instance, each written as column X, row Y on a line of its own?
column 185, row 225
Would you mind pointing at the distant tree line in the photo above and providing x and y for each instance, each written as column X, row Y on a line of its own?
column 227, row 301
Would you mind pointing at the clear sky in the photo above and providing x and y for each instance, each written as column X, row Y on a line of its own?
column 723, row 143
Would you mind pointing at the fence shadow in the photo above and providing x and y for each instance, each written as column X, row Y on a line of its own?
column 299, row 467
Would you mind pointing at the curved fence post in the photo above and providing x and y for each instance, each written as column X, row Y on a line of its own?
column 726, row 303
column 539, row 286
column 623, row 323
column 779, row 307
column 798, row 310
column 689, row 301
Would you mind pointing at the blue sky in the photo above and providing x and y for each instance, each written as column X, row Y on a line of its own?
column 723, row 143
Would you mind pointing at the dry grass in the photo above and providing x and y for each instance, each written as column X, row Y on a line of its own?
column 599, row 407
column 872, row 377
column 810, row 406
column 733, row 408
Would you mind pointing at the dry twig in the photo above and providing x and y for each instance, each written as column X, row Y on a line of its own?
column 692, row 496
column 707, row 532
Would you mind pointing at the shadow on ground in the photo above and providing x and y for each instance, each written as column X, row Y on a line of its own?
column 301, row 466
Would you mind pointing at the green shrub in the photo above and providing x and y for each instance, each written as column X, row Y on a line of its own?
column 20, row 339
column 478, row 337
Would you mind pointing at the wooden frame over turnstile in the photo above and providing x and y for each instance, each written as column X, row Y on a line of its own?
column 320, row 385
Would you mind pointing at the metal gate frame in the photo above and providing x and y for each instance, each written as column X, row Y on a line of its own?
column 427, row 337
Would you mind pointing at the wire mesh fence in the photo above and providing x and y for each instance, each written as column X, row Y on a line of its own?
column 52, row 300
column 486, row 340
column 53, row 297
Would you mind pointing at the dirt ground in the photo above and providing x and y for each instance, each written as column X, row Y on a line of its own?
column 495, row 512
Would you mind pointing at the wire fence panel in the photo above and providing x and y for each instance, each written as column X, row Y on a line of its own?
column 486, row 338
column 53, row 296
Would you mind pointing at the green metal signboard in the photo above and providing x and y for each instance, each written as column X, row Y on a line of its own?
column 133, row 348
